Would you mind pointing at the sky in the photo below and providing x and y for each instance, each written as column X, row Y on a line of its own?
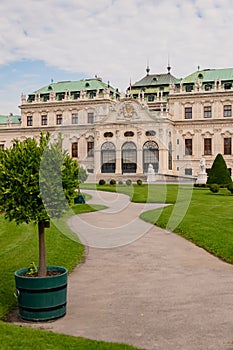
column 44, row 40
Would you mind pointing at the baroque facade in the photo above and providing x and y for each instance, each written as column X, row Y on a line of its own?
column 164, row 121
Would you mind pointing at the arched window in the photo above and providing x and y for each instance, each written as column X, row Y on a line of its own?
column 129, row 158
column 108, row 158
column 150, row 156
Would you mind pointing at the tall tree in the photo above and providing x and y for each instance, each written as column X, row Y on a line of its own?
column 38, row 181
column 219, row 174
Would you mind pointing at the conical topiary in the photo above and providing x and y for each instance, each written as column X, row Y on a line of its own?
column 219, row 174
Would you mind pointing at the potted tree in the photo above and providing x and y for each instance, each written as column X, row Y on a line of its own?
column 38, row 181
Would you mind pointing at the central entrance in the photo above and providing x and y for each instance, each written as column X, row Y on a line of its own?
column 129, row 158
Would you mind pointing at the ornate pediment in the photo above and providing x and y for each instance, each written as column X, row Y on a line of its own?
column 127, row 111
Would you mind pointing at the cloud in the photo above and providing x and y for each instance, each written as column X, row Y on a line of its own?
column 114, row 38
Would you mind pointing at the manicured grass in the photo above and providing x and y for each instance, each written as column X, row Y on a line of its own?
column 22, row 338
column 160, row 193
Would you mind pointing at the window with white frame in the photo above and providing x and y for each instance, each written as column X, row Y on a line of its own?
column 74, row 118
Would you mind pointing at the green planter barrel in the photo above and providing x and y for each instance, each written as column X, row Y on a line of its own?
column 42, row 298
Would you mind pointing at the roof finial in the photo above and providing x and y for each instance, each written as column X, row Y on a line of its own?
column 168, row 65
column 147, row 68
column 198, row 67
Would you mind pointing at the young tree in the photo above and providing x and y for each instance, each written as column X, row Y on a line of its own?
column 37, row 183
column 82, row 175
column 219, row 174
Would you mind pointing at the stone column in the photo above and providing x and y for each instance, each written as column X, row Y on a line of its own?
column 97, row 154
column 118, row 170
column 163, row 160
column 139, row 153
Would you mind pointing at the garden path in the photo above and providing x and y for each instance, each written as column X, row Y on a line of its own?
column 154, row 290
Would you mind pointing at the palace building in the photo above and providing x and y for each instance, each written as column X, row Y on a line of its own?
column 168, row 122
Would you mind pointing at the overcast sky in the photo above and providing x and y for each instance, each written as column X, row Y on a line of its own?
column 73, row 39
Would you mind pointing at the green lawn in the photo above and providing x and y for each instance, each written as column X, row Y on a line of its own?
column 160, row 193
column 23, row 338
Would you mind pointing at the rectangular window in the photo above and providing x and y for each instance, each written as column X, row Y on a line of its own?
column 207, row 112
column 177, row 141
column 44, row 120
column 188, row 88
column 188, row 171
column 151, row 98
column 74, row 149
column 188, row 147
column 188, row 113
column 59, row 119
column 90, row 117
column 227, row 145
column 90, row 149
column 207, row 147
column 227, row 111
column 29, row 120
column 74, row 118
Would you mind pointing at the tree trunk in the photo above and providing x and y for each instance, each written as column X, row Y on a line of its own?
column 42, row 253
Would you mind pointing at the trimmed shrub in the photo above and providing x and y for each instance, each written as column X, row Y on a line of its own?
column 112, row 182
column 219, row 174
column 139, row 182
column 120, row 182
column 102, row 182
column 200, row 185
column 128, row 182
column 230, row 187
column 214, row 188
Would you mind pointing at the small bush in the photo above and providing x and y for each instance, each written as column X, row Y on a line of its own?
column 139, row 182
column 102, row 182
column 214, row 188
column 120, row 182
column 128, row 182
column 200, row 185
column 230, row 187
column 112, row 182
column 219, row 174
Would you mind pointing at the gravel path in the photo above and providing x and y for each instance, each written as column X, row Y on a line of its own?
column 150, row 288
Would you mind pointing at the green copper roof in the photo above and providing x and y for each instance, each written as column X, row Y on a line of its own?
column 13, row 119
column 156, row 80
column 62, row 86
column 207, row 75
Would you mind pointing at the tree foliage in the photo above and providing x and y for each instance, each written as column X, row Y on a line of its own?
column 35, row 177
column 20, row 197
column 37, row 182
column 219, row 174
column 82, row 175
